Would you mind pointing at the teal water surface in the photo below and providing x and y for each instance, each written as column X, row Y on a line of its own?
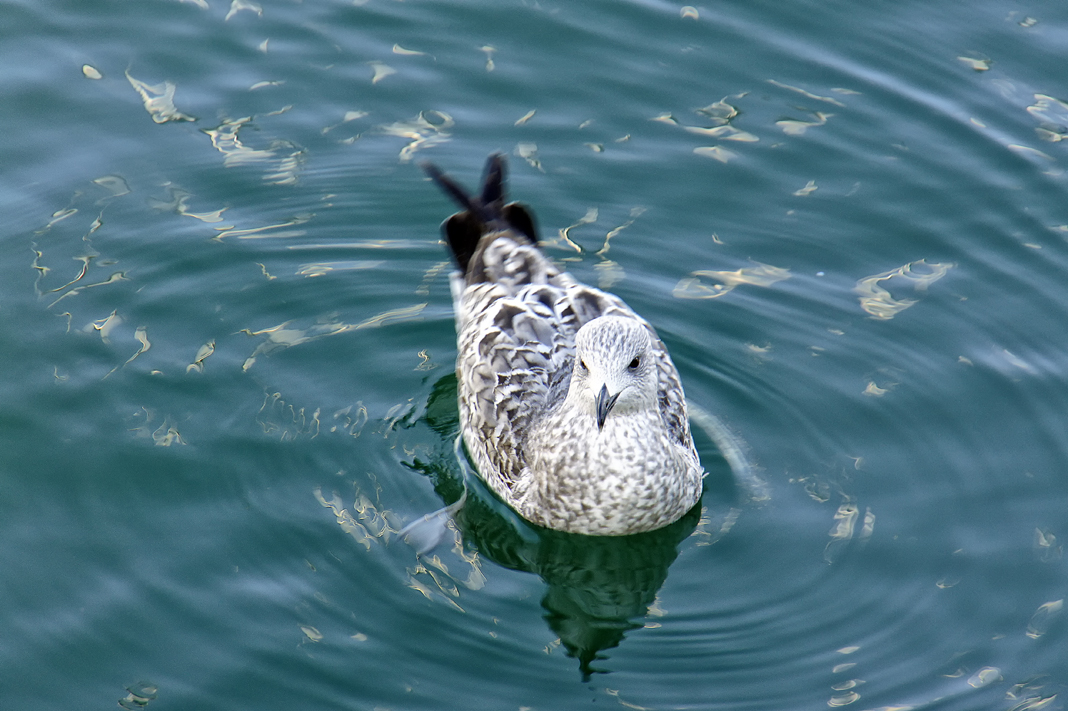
column 227, row 333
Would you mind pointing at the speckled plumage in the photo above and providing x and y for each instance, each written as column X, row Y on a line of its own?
column 570, row 405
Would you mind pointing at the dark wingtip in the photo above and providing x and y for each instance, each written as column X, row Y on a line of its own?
column 462, row 232
column 521, row 219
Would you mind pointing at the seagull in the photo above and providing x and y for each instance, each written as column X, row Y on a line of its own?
column 570, row 406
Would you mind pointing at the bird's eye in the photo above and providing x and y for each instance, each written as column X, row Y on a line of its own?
column 635, row 363
column 582, row 364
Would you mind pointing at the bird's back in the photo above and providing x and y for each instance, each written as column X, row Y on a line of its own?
column 516, row 343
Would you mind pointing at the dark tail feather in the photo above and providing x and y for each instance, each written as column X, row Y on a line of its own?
column 480, row 214
column 486, row 207
column 493, row 181
column 457, row 193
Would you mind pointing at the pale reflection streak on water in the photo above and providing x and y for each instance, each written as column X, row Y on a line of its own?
column 285, row 335
column 159, row 100
column 286, row 158
column 877, row 300
column 723, row 282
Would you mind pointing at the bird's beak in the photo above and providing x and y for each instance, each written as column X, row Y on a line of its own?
column 604, row 404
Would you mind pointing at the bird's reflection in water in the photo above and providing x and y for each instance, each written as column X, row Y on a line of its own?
column 599, row 587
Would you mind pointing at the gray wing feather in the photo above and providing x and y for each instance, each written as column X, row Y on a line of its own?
column 507, row 366
column 672, row 400
column 514, row 342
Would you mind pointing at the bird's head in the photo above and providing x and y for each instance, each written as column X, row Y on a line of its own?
column 614, row 370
